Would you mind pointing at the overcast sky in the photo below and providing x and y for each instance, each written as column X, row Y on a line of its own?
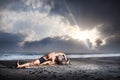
column 59, row 25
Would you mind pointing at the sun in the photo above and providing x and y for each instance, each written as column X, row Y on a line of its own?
column 92, row 34
column 84, row 35
column 75, row 32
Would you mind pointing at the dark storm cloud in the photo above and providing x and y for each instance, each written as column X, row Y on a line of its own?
column 113, row 44
column 9, row 42
column 89, row 13
column 98, row 43
column 15, row 5
column 56, row 44
column 110, row 29
column 5, row 4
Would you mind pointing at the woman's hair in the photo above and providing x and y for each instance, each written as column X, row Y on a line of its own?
column 61, row 60
column 64, row 62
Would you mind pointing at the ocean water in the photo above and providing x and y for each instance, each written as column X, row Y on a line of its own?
column 25, row 55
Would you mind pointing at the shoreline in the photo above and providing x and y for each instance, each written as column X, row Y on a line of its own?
column 79, row 69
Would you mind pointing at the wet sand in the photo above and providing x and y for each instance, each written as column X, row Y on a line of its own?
column 79, row 69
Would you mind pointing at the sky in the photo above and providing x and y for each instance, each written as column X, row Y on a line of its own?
column 59, row 25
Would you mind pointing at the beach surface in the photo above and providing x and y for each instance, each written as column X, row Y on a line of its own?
column 79, row 69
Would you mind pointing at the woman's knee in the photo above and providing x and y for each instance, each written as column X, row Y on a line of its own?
column 35, row 62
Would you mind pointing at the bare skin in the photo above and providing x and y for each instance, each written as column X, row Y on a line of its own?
column 50, row 59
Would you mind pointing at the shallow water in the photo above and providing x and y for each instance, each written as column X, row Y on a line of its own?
column 25, row 55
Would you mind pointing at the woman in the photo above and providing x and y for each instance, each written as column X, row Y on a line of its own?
column 48, row 59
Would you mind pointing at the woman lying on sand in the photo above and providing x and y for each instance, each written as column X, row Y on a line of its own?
column 48, row 59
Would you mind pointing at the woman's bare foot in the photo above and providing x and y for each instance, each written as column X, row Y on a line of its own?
column 18, row 65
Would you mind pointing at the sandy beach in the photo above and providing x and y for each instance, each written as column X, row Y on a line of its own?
column 79, row 69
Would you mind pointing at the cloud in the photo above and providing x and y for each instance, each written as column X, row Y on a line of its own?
column 37, row 25
column 40, row 19
column 39, row 4
column 89, row 44
column 56, row 44
column 40, row 22
column 40, row 25
column 112, row 45
column 10, row 42
column 33, row 3
column 98, row 43
column 89, row 13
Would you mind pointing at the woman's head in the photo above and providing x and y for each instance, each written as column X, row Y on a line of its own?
column 63, row 62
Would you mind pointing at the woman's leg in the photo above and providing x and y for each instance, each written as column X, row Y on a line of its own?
column 32, row 63
column 47, row 63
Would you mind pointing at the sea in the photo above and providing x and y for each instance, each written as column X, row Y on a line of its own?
column 36, row 55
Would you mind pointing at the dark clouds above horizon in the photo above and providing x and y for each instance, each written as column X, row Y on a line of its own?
column 52, row 25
